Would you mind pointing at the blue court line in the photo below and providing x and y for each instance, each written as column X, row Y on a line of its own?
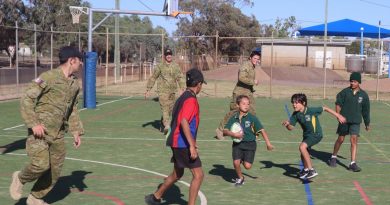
column 309, row 196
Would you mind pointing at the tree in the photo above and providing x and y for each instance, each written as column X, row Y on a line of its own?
column 211, row 16
column 10, row 12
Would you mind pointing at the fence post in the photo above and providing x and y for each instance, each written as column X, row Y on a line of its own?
column 35, row 51
column 17, row 55
column 106, row 73
column 51, row 47
column 216, row 50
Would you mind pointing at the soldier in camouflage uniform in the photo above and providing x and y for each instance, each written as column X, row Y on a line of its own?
column 168, row 75
column 244, row 86
column 49, row 108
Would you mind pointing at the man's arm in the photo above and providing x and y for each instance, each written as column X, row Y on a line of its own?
column 366, row 112
column 187, row 133
column 152, row 80
column 27, row 107
column 75, row 124
column 339, row 117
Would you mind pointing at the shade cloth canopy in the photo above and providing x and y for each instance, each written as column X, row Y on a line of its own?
column 346, row 27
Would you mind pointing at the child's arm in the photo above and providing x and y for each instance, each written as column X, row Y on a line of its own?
column 266, row 139
column 286, row 123
column 339, row 117
column 227, row 132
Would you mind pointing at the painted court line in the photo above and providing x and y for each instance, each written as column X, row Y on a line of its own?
column 203, row 200
column 362, row 193
column 125, row 98
column 375, row 147
column 309, row 196
column 199, row 140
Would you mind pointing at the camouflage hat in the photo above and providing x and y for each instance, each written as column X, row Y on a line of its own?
column 167, row 52
column 193, row 77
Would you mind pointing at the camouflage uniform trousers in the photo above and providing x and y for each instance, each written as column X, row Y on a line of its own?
column 167, row 101
column 233, row 105
column 47, row 157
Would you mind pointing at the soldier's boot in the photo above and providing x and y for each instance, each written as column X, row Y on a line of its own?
column 219, row 134
column 16, row 187
column 31, row 200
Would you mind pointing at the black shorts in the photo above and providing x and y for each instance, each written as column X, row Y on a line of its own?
column 181, row 157
column 244, row 151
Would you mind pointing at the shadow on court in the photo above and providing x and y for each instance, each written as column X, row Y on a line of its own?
column 15, row 145
column 289, row 170
column 173, row 196
column 325, row 156
column 228, row 174
column 155, row 124
column 63, row 187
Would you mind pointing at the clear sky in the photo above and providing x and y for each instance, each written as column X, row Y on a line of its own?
column 307, row 12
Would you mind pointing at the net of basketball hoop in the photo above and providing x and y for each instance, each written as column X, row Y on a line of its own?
column 76, row 12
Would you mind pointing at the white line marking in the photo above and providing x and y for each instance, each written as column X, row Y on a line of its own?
column 203, row 200
column 10, row 128
column 198, row 140
column 386, row 104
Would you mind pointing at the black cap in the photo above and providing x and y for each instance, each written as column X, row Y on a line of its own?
column 167, row 52
column 69, row 52
column 193, row 77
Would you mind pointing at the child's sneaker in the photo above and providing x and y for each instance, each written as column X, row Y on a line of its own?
column 239, row 182
column 151, row 200
column 332, row 162
column 312, row 173
column 303, row 173
column 354, row 167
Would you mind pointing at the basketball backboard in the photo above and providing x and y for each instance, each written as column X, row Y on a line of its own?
column 171, row 7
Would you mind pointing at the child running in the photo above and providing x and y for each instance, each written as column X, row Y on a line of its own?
column 244, row 151
column 307, row 117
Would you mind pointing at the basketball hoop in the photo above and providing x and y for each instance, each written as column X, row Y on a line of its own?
column 76, row 12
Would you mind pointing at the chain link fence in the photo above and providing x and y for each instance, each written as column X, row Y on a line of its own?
column 287, row 65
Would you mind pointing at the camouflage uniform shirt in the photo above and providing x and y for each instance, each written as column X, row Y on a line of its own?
column 167, row 76
column 52, row 100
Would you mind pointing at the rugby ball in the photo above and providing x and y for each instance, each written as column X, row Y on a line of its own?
column 235, row 128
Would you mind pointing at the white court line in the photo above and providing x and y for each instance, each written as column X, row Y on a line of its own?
column 386, row 104
column 198, row 140
column 10, row 128
column 203, row 200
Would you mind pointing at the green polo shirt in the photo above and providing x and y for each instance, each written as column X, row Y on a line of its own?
column 354, row 106
column 251, row 125
column 309, row 121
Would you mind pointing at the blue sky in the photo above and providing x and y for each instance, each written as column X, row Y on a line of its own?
column 307, row 12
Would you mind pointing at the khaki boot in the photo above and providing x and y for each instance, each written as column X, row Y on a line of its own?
column 15, row 189
column 31, row 200
column 219, row 134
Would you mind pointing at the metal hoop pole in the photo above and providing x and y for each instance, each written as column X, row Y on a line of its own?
column 90, row 22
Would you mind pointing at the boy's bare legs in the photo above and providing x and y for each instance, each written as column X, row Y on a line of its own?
column 338, row 144
column 247, row 165
column 237, row 167
column 176, row 174
column 197, row 178
column 354, row 141
column 305, row 155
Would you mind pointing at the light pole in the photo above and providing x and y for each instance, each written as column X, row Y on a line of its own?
column 325, row 45
column 361, row 41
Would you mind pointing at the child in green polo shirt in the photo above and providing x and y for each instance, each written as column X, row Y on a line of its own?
column 307, row 117
column 353, row 103
column 244, row 151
